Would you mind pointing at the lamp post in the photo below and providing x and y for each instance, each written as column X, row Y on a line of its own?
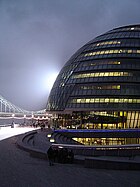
column 24, row 119
column 32, row 119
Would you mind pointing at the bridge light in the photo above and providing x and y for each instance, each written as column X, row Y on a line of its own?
column 24, row 119
column 13, row 115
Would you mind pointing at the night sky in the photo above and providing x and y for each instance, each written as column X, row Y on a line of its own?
column 37, row 37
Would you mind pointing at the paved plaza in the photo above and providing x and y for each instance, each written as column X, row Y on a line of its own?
column 18, row 169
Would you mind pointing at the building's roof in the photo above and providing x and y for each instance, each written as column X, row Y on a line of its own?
column 103, row 74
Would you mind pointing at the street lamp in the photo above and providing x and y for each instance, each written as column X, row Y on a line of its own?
column 12, row 126
column 32, row 118
column 24, row 119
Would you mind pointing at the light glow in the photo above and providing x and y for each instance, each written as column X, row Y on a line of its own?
column 52, row 140
column 50, row 79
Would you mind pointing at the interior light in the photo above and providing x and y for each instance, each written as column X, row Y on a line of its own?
column 60, row 147
column 52, row 140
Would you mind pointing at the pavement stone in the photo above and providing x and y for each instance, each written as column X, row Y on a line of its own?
column 18, row 169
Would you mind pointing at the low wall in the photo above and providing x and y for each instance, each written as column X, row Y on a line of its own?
column 84, row 155
column 111, row 164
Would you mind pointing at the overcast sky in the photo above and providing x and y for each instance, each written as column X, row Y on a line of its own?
column 37, row 37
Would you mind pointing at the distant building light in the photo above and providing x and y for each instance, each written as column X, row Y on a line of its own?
column 132, row 28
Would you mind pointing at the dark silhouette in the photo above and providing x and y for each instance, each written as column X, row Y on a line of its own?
column 50, row 154
column 65, row 156
column 55, row 155
column 70, row 156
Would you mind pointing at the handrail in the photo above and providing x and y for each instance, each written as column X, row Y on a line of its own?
column 137, row 146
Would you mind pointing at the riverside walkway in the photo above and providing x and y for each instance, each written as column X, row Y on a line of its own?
column 19, row 169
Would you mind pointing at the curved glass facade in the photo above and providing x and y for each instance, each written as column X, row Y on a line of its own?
column 99, row 87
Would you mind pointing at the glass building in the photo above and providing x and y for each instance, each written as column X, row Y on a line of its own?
column 99, row 86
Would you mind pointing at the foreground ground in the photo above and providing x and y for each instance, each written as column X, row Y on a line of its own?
column 18, row 169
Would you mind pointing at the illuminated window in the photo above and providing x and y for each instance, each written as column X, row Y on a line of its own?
column 87, row 100
column 102, row 52
column 108, row 43
column 111, row 51
column 129, row 51
column 130, row 101
column 98, row 52
column 102, row 100
column 77, row 100
column 121, row 51
column 111, row 100
column 133, row 51
column 115, row 51
column 105, row 100
column 101, row 87
column 97, row 100
column 101, row 74
column 102, row 63
column 92, row 100
column 106, row 52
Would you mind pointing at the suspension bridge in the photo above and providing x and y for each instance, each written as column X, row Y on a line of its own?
column 9, row 110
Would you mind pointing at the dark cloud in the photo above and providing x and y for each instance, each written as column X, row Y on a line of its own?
column 37, row 37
